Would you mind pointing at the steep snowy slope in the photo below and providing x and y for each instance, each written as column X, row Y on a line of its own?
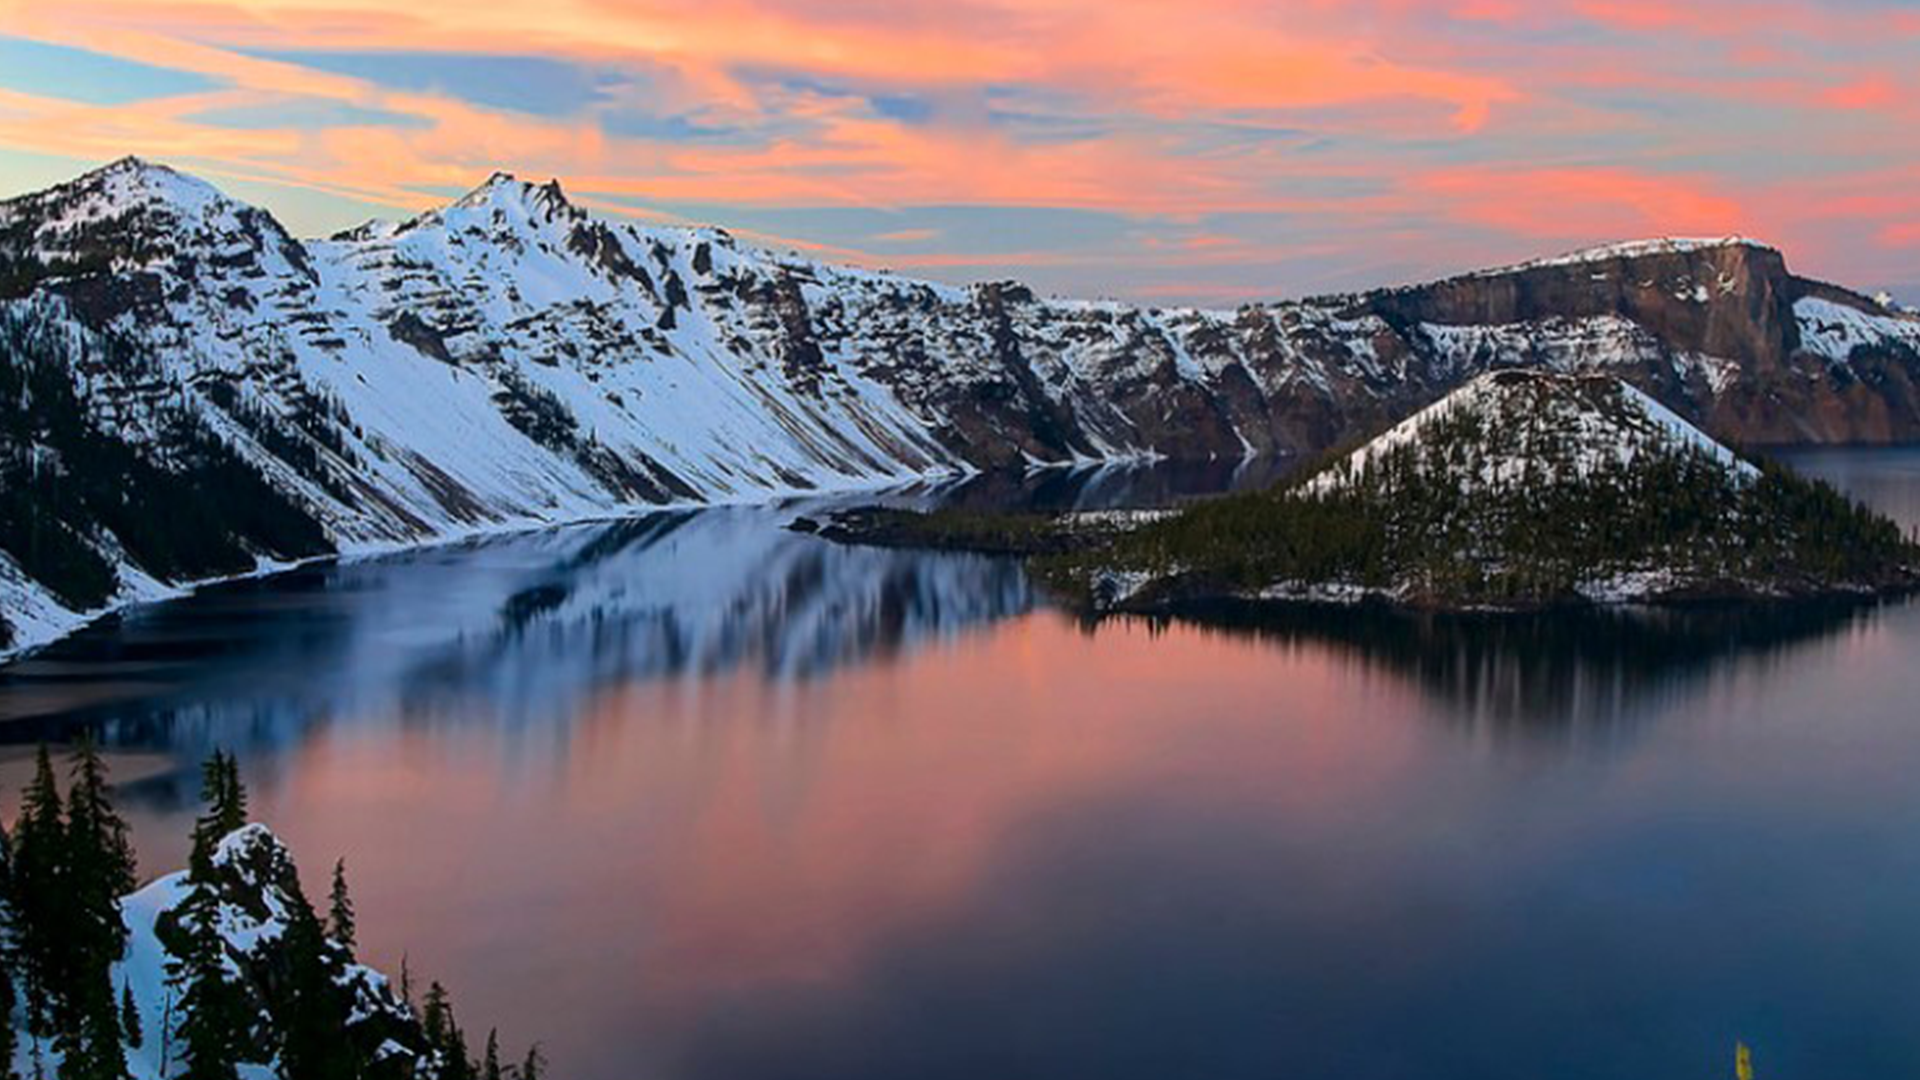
column 186, row 391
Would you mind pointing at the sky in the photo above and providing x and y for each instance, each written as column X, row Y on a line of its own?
column 1199, row 151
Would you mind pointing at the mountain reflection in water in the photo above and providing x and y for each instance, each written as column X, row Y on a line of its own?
column 1552, row 672
column 692, row 796
column 516, row 630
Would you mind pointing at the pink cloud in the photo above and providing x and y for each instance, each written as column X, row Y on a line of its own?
column 1173, row 106
column 1874, row 92
column 1582, row 203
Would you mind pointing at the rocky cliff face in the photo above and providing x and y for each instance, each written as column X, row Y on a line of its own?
column 1719, row 331
column 186, row 390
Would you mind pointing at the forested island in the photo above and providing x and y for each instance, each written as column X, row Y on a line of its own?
column 1522, row 489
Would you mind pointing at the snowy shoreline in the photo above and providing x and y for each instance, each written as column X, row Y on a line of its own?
column 34, row 634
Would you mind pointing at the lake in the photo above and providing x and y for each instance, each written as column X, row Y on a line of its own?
column 693, row 797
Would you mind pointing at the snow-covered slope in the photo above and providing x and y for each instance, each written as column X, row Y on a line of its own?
column 187, row 391
column 256, row 887
column 1529, row 427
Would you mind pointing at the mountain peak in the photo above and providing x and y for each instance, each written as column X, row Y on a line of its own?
column 131, row 163
column 1532, row 423
column 132, row 182
column 503, row 189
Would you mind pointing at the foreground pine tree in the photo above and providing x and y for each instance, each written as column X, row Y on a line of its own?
column 340, row 921
column 225, row 800
column 38, row 901
column 99, row 870
column 490, row 1063
column 213, row 1027
column 535, row 1065
column 317, row 1013
column 254, row 976
column 9, row 961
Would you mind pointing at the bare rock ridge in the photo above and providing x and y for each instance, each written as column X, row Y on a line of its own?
column 188, row 391
column 1726, row 335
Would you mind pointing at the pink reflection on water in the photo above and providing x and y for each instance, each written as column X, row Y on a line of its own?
column 679, row 843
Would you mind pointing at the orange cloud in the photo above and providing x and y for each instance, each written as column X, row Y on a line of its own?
column 1427, row 119
column 1582, row 203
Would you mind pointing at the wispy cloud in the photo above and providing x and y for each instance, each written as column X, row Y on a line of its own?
column 1217, row 138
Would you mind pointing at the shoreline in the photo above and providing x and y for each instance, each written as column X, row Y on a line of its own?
column 24, row 647
column 1115, row 592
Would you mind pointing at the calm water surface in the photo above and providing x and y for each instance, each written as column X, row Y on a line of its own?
column 694, row 798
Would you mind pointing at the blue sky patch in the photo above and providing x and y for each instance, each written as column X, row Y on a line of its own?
column 307, row 114
column 58, row 71
column 528, row 84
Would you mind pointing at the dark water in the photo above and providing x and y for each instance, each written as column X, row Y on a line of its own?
column 694, row 798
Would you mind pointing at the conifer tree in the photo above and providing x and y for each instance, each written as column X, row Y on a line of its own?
column 534, row 1067
column 40, row 838
column 340, row 919
column 130, row 1017
column 101, row 851
column 9, row 960
column 314, row 1044
column 406, row 986
column 490, row 1064
column 224, row 801
column 97, row 872
column 235, row 808
column 436, row 1016
column 100, row 864
column 209, row 1031
column 444, row 1037
column 214, row 1024
column 459, row 1065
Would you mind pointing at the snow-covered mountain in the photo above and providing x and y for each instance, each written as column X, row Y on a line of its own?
column 187, row 391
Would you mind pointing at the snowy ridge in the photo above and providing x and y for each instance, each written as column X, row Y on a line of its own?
column 1632, row 249
column 511, row 360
